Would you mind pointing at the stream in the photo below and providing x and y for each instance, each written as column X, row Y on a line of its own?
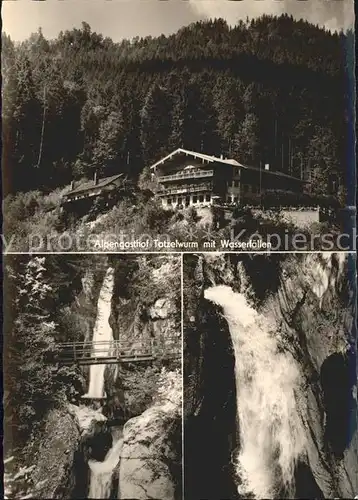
column 101, row 473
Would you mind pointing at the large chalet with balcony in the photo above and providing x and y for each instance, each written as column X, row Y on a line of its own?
column 186, row 178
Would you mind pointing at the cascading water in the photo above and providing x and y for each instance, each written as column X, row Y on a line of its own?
column 272, row 437
column 102, row 472
column 102, row 333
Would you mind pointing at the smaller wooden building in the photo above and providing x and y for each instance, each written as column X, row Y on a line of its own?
column 105, row 192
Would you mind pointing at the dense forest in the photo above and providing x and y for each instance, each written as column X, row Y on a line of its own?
column 270, row 90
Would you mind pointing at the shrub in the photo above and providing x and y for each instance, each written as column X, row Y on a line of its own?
column 192, row 215
column 274, row 198
column 34, row 381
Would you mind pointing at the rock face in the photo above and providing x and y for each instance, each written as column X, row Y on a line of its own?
column 150, row 460
column 96, row 437
column 314, row 313
column 162, row 318
column 309, row 300
column 209, row 389
column 58, row 452
column 140, row 312
column 145, row 312
column 161, row 309
column 71, row 436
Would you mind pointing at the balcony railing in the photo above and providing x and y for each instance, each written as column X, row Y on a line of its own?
column 188, row 174
column 186, row 189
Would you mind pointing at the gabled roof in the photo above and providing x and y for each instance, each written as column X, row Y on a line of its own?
column 202, row 156
column 272, row 172
column 212, row 159
column 87, row 186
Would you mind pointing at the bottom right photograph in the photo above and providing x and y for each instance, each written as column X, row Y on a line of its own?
column 270, row 379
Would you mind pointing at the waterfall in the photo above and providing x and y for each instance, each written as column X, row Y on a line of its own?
column 271, row 432
column 102, row 472
column 102, row 332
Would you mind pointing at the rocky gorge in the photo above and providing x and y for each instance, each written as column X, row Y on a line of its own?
column 118, row 434
column 270, row 380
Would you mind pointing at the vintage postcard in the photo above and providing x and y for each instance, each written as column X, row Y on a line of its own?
column 179, row 249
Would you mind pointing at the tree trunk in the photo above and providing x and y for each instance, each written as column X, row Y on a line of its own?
column 42, row 131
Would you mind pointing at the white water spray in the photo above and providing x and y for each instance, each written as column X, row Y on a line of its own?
column 271, row 433
column 102, row 472
column 102, row 332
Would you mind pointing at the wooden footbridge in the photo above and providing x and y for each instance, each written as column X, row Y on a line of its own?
column 119, row 351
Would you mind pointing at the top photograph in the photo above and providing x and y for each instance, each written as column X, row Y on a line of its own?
column 178, row 126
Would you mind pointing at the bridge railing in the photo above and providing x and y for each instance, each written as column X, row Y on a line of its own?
column 119, row 349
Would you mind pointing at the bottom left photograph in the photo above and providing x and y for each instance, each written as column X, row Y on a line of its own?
column 92, row 376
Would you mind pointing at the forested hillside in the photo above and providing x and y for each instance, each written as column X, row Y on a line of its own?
column 270, row 90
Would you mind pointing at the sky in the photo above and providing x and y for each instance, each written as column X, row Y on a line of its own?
column 120, row 19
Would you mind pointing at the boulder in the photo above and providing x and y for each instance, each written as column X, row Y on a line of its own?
column 161, row 309
column 145, row 470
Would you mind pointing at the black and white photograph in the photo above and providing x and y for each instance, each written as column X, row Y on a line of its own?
column 179, row 250
column 270, row 380
column 92, row 377
column 178, row 125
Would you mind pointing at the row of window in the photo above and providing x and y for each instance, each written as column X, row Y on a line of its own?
column 83, row 195
column 196, row 199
